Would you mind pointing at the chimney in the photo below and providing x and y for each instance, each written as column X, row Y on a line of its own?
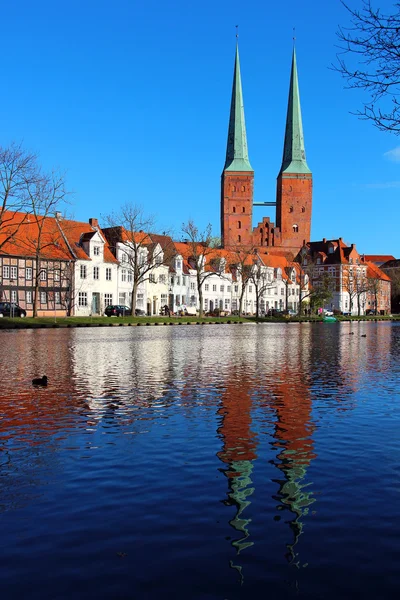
column 324, row 240
column 94, row 223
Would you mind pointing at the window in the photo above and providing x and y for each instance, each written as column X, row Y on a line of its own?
column 226, row 303
column 178, row 300
column 43, row 275
column 43, row 298
column 234, row 209
column 295, row 229
column 28, row 297
column 303, row 209
column 250, row 288
column 178, row 265
column 243, row 209
column 239, row 224
column 14, row 296
column 162, row 279
column 282, row 291
column 243, row 188
column 239, row 238
column 178, row 281
column 82, row 299
column 96, row 251
column 214, row 288
column 28, row 273
column 56, row 275
column 192, row 285
column 164, row 299
column 96, row 272
column 108, row 299
column 206, row 287
column 108, row 274
column 83, row 271
column 6, row 272
column 206, row 303
column 291, row 209
column 123, row 275
column 228, row 289
column 57, row 297
column 123, row 257
column 236, row 288
column 234, row 188
column 152, row 278
column 130, row 276
column 13, row 273
column 222, row 288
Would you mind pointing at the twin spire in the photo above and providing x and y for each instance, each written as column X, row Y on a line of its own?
column 294, row 154
column 237, row 156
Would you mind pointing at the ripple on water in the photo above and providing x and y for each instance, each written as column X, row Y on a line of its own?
column 201, row 462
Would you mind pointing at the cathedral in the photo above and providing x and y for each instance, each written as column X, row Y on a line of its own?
column 293, row 189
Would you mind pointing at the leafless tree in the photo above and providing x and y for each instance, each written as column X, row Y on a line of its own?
column 259, row 278
column 45, row 196
column 200, row 248
column 372, row 41
column 130, row 230
column 18, row 171
column 242, row 259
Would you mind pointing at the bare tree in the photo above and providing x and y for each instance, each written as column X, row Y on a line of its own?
column 373, row 43
column 242, row 260
column 131, row 229
column 18, row 171
column 200, row 247
column 45, row 196
column 260, row 280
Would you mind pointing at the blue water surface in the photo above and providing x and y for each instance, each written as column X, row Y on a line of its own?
column 205, row 462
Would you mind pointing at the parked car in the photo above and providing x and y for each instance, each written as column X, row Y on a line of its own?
column 328, row 313
column 117, row 310
column 10, row 309
column 274, row 312
column 371, row 311
column 139, row 312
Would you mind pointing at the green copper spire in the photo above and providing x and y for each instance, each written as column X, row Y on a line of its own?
column 237, row 158
column 294, row 154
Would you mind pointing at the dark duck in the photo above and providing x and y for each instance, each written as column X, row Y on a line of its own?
column 40, row 381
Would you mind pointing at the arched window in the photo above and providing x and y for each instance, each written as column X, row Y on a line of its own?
column 291, row 209
column 234, row 209
column 295, row 229
column 303, row 209
column 234, row 188
column 239, row 238
column 243, row 209
column 243, row 188
column 239, row 224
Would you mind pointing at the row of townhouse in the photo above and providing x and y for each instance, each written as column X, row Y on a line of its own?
column 75, row 268
column 357, row 285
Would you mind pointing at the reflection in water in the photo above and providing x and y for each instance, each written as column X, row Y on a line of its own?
column 136, row 422
column 238, row 452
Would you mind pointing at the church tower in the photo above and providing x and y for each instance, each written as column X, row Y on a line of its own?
column 294, row 183
column 238, row 176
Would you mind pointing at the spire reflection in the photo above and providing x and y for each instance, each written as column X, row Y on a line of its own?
column 238, row 453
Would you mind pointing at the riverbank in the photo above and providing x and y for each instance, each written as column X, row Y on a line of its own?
column 47, row 322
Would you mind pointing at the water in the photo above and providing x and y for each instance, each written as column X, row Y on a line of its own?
column 213, row 462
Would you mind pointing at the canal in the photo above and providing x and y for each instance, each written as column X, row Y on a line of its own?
column 203, row 462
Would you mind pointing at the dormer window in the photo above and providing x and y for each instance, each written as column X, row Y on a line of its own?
column 330, row 250
column 96, row 250
column 318, row 261
column 178, row 265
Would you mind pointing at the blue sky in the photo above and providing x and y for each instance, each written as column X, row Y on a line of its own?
column 132, row 100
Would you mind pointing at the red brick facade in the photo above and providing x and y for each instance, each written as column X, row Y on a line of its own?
column 293, row 208
column 237, row 208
